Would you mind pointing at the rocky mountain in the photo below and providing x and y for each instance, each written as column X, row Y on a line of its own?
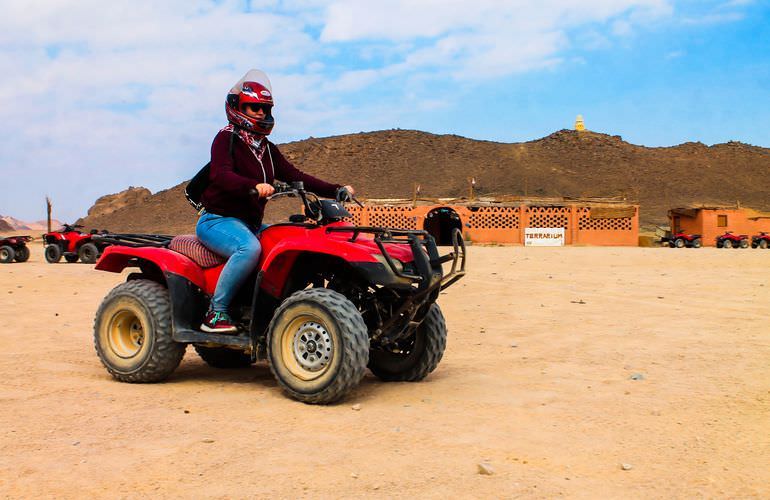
column 387, row 164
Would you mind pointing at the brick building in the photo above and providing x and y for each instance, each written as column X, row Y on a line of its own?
column 711, row 222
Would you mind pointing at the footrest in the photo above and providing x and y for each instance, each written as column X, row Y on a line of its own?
column 196, row 337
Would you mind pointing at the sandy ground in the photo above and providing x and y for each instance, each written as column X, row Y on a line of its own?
column 538, row 380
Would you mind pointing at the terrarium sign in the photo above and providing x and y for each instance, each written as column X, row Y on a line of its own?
column 544, row 236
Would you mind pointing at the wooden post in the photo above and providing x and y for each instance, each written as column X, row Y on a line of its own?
column 415, row 193
column 48, row 211
column 471, row 185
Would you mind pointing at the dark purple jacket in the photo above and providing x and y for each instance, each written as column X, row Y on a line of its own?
column 232, row 177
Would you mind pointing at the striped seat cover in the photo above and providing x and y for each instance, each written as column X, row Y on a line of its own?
column 188, row 245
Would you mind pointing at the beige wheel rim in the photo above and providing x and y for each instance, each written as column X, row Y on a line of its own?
column 125, row 333
column 307, row 347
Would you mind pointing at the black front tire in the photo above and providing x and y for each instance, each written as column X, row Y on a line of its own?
column 22, row 254
column 223, row 357
column 318, row 346
column 763, row 244
column 7, row 254
column 133, row 333
column 88, row 253
column 417, row 356
column 697, row 243
column 679, row 243
column 52, row 253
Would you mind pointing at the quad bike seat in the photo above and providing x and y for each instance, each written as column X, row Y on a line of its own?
column 189, row 246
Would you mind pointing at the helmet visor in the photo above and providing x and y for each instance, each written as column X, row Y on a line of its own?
column 253, row 75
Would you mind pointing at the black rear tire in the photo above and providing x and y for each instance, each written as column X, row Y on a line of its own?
column 88, row 253
column 697, row 243
column 743, row 244
column 22, row 254
column 132, row 333
column 52, row 253
column 727, row 244
column 223, row 357
column 71, row 258
column 762, row 244
column 418, row 356
column 317, row 346
column 7, row 253
column 679, row 243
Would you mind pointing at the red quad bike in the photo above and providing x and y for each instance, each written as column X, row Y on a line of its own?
column 730, row 240
column 682, row 240
column 328, row 299
column 761, row 240
column 72, row 244
column 14, row 248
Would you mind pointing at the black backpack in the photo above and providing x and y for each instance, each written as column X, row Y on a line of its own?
column 198, row 184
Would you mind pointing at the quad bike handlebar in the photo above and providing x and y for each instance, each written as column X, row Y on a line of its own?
column 297, row 189
column 66, row 228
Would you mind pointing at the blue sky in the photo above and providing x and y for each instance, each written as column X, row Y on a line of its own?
column 96, row 96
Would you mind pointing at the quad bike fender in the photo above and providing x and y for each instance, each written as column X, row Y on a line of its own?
column 116, row 258
column 362, row 256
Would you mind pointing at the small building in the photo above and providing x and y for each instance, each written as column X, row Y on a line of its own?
column 711, row 222
column 599, row 221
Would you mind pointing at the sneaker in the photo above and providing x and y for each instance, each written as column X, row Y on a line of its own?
column 218, row 322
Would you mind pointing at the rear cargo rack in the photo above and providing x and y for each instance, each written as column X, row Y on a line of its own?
column 134, row 240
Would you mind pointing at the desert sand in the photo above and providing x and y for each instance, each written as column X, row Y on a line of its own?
column 579, row 372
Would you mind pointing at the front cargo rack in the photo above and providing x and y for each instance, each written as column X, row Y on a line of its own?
column 416, row 239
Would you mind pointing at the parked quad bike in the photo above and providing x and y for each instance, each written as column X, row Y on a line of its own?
column 730, row 240
column 761, row 240
column 328, row 299
column 681, row 240
column 72, row 244
column 14, row 248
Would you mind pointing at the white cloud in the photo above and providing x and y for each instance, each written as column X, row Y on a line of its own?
column 126, row 92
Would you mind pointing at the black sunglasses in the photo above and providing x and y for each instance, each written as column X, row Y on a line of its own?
column 254, row 107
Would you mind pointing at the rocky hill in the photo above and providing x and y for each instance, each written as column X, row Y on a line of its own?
column 386, row 164
column 112, row 202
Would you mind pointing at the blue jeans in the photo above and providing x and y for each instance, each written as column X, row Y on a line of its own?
column 232, row 238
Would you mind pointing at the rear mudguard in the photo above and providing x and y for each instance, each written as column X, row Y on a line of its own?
column 116, row 258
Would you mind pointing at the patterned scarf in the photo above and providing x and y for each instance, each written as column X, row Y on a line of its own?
column 257, row 143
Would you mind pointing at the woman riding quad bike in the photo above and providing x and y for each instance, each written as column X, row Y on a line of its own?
column 320, row 298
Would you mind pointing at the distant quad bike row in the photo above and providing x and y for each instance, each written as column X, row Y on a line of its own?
column 73, row 245
column 727, row 240
column 14, row 248
column 327, row 301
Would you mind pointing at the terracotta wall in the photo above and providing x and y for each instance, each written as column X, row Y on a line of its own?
column 706, row 223
column 506, row 224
